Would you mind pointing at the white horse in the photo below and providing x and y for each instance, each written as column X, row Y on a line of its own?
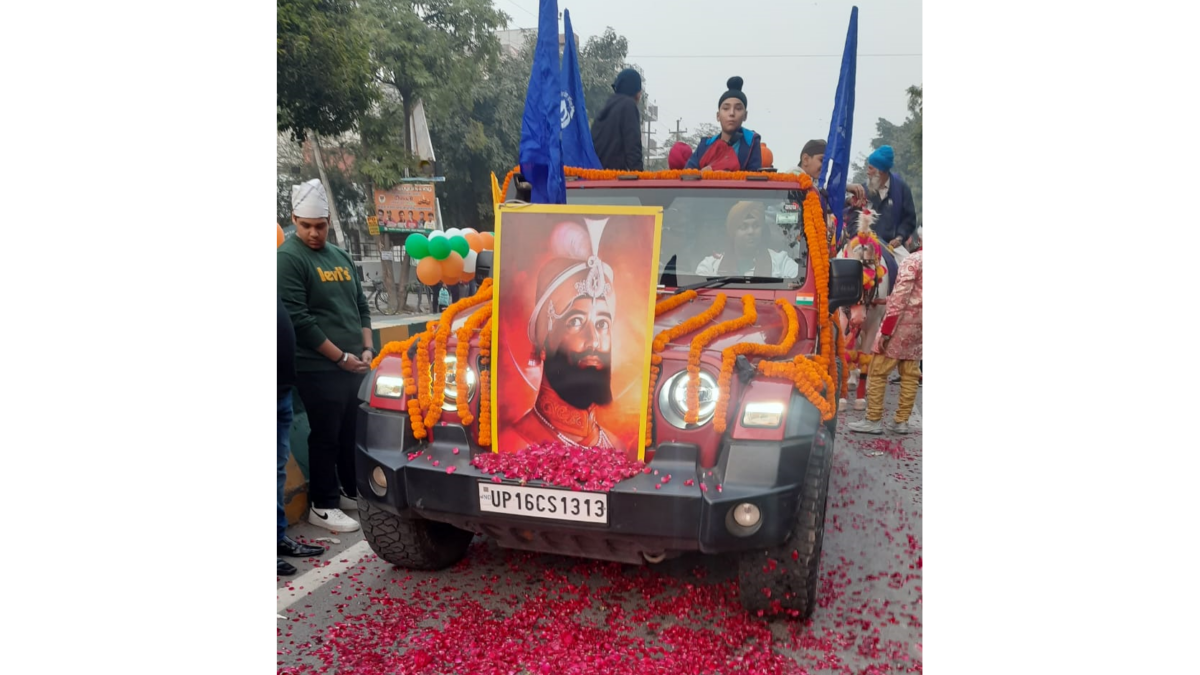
column 866, row 317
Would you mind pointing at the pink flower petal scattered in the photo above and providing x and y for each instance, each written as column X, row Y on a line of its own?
column 587, row 469
column 502, row 612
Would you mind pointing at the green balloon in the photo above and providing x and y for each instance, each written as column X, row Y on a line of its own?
column 417, row 246
column 439, row 248
column 459, row 243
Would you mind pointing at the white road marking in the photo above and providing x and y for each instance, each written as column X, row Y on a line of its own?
column 317, row 577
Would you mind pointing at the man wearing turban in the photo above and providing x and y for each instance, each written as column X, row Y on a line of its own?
column 889, row 197
column 570, row 331
column 746, row 251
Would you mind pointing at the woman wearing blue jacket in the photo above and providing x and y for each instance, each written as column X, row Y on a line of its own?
column 736, row 148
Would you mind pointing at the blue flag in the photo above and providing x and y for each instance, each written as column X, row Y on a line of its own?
column 577, row 148
column 541, row 128
column 837, row 150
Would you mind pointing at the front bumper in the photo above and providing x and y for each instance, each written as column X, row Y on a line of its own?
column 642, row 521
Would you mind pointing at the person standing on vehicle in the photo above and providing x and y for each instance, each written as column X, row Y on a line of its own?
column 617, row 131
column 898, row 344
column 679, row 156
column 714, row 153
column 889, row 197
column 285, row 353
column 811, row 158
column 324, row 298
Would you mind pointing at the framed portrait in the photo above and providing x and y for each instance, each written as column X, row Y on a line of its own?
column 573, row 313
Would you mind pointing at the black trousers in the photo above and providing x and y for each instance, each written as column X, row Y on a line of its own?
column 331, row 401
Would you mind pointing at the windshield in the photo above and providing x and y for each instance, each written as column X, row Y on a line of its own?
column 710, row 233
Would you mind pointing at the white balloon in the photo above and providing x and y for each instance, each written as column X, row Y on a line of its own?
column 436, row 233
column 453, row 231
column 470, row 230
column 469, row 262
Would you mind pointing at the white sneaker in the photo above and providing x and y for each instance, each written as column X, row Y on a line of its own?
column 867, row 427
column 347, row 504
column 332, row 519
column 860, row 404
column 899, row 428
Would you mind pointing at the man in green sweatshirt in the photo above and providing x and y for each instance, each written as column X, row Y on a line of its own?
column 324, row 297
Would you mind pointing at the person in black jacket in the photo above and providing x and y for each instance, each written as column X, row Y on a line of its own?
column 617, row 131
column 286, row 375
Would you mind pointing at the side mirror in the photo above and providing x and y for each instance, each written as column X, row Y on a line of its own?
column 483, row 265
column 845, row 283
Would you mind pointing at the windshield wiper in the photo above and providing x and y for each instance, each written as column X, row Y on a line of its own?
column 727, row 279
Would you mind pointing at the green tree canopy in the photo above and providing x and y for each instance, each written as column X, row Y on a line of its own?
column 323, row 73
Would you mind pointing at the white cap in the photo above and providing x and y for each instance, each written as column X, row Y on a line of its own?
column 309, row 200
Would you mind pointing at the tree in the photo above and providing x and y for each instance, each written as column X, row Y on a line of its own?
column 483, row 136
column 475, row 140
column 905, row 140
column 323, row 72
column 915, row 110
column 420, row 49
column 323, row 77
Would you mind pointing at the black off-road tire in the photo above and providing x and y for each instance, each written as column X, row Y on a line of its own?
column 412, row 542
column 833, row 421
column 791, row 572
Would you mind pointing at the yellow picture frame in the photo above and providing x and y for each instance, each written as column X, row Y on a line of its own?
column 652, row 293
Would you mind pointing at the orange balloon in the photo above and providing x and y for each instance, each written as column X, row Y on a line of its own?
column 429, row 270
column 768, row 157
column 452, row 268
column 489, row 241
column 278, row 235
column 474, row 241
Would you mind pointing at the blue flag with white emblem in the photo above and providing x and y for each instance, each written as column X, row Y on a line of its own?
column 841, row 125
column 541, row 127
column 577, row 147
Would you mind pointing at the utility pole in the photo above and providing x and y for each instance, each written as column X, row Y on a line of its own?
column 678, row 133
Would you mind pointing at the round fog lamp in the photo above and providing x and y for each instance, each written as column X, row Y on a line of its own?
column 378, row 481
column 746, row 514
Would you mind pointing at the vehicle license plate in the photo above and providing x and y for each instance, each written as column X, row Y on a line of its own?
column 584, row 507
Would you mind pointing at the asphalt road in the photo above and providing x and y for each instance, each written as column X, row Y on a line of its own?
column 502, row 611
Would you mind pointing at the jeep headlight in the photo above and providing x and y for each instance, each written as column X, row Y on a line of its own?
column 389, row 386
column 450, row 404
column 673, row 403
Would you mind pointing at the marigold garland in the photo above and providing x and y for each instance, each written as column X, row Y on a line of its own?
column 604, row 174
column 674, row 301
column 748, row 317
column 419, row 403
column 661, row 340
column 730, row 354
column 684, row 327
column 434, row 410
column 462, row 353
column 650, row 401
column 485, row 378
column 392, row 347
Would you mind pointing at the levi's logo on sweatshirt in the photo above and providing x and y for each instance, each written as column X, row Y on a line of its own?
column 338, row 274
